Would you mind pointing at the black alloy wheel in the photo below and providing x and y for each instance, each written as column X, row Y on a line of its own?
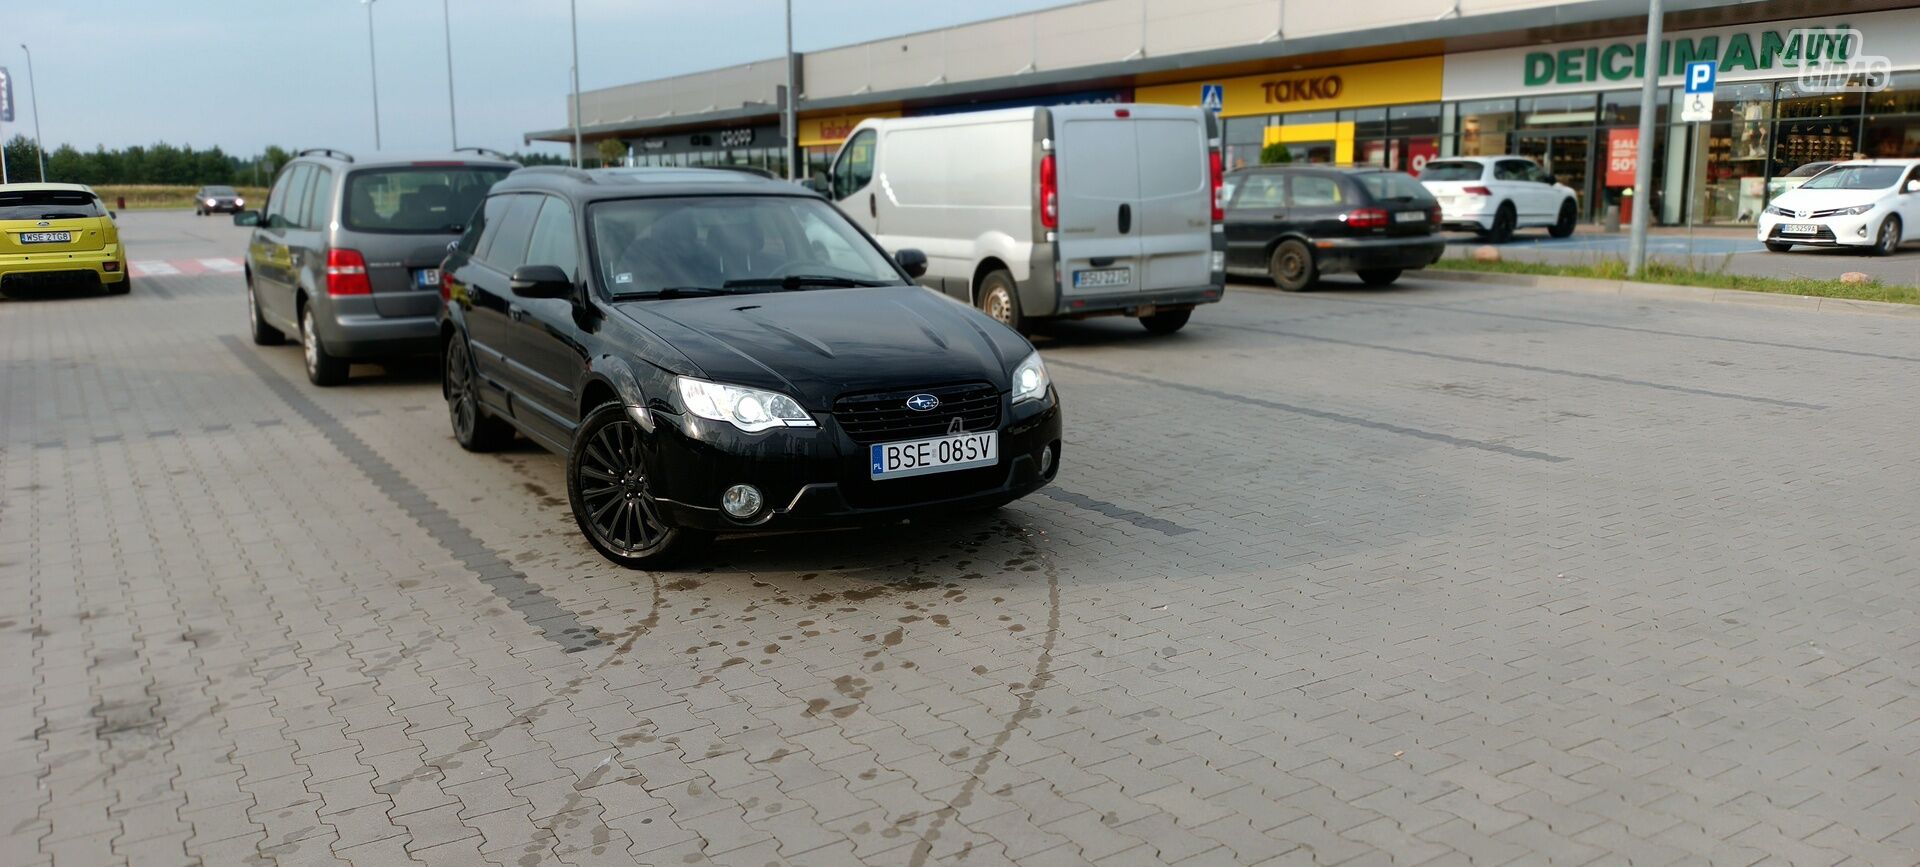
column 1569, row 216
column 1504, row 222
column 473, row 427
column 607, row 482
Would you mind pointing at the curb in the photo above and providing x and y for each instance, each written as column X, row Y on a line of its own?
column 1670, row 292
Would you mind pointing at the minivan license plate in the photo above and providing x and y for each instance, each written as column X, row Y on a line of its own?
column 938, row 455
column 45, row 237
column 1410, row 217
column 1102, row 277
column 427, row 278
column 1800, row 229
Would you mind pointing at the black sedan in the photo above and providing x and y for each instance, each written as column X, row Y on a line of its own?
column 216, row 199
column 1297, row 224
column 714, row 352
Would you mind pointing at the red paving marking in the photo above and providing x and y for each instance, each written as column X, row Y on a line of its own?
column 183, row 267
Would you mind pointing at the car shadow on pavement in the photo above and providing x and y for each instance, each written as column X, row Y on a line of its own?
column 53, row 292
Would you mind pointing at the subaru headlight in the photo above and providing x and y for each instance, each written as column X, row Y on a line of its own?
column 1030, row 379
column 749, row 409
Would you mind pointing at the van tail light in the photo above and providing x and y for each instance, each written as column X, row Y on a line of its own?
column 1476, row 191
column 1216, row 173
column 1049, row 194
column 1365, row 218
column 347, row 273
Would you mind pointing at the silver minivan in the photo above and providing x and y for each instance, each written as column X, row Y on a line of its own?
column 346, row 251
column 1058, row 212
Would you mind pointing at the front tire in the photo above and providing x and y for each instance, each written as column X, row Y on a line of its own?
column 608, row 487
column 1379, row 276
column 1888, row 241
column 263, row 334
column 475, row 429
column 323, row 368
column 1000, row 299
column 1504, row 221
column 1569, row 216
column 1291, row 266
column 1168, row 322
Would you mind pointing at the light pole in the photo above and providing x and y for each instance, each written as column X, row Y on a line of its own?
column 39, row 146
column 792, row 129
column 373, row 67
column 1643, row 152
column 573, row 17
column 446, row 22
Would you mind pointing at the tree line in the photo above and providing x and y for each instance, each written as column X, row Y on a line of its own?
column 164, row 163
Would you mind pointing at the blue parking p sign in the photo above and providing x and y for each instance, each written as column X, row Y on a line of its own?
column 1700, row 76
column 1213, row 97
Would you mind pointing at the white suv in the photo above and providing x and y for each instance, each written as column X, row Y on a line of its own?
column 1867, row 203
column 1495, row 195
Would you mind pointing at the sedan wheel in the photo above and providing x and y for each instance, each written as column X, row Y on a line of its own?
column 473, row 427
column 611, row 492
column 1292, row 266
column 1889, row 239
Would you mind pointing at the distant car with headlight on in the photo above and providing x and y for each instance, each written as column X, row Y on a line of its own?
column 217, row 199
column 715, row 352
column 1866, row 204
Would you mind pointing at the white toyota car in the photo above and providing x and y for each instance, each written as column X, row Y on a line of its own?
column 1494, row 195
column 1865, row 203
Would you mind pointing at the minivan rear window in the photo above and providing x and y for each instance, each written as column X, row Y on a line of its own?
column 48, row 205
column 1394, row 187
column 421, row 200
column 1451, row 171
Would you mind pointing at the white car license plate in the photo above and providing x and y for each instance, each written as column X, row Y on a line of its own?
column 427, row 278
column 1102, row 277
column 1800, row 229
column 938, row 455
column 1410, row 217
column 45, row 237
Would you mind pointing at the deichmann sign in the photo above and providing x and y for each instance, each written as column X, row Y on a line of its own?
column 1395, row 82
column 1743, row 53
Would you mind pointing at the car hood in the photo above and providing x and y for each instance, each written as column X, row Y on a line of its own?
column 1803, row 199
column 819, row 344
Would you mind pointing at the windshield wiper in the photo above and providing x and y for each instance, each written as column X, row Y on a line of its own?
column 795, row 281
column 670, row 292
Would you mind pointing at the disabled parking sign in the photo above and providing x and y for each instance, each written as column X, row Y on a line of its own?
column 1697, row 104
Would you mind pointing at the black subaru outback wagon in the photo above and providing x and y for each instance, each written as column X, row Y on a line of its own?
column 716, row 352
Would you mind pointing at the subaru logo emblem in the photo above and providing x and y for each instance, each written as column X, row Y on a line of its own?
column 923, row 403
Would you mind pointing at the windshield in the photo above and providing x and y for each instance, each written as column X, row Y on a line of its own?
column 48, row 205
column 645, row 246
column 417, row 200
column 1808, row 170
column 1394, row 187
column 1855, row 178
column 220, row 191
column 1450, row 171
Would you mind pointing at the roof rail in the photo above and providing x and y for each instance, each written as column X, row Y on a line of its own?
column 489, row 152
column 340, row 155
column 569, row 171
column 746, row 170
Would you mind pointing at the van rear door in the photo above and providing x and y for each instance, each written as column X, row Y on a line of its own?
column 1174, row 216
column 1096, row 166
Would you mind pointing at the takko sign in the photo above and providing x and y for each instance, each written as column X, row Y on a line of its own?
column 1361, row 85
column 825, row 131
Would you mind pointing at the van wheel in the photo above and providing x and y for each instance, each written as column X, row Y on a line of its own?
column 1168, row 322
column 1292, row 266
column 263, row 334
column 611, row 492
column 1569, row 215
column 1777, row 247
column 323, row 368
column 1379, row 276
column 1000, row 299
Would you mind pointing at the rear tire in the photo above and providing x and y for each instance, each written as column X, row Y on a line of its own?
column 263, row 334
column 1168, row 322
column 1379, row 276
column 323, row 368
column 1777, row 247
column 1291, row 266
column 608, row 488
column 1569, row 216
column 1000, row 299
column 475, row 429
column 1888, row 241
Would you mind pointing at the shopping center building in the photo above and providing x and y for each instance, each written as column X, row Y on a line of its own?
column 1390, row 82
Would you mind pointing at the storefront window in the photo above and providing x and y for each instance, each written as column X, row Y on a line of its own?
column 1542, row 112
column 1622, row 107
column 1484, row 126
column 1893, row 137
column 1902, row 96
column 1733, row 154
column 1367, row 122
column 1409, row 120
column 1300, row 118
column 1798, row 142
column 1242, row 140
column 1795, row 103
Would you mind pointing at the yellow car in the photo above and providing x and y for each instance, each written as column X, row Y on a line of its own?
column 59, row 233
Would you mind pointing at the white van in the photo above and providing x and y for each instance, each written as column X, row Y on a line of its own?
column 1037, row 213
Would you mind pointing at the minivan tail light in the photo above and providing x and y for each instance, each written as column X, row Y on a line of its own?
column 1216, row 175
column 347, row 273
column 1049, row 194
column 1365, row 218
column 1476, row 191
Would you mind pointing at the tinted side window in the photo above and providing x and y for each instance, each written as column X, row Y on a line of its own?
column 1261, row 191
column 507, row 249
column 470, row 241
column 1315, row 191
column 1538, row 175
column 320, row 204
column 302, row 198
column 855, row 168
column 287, row 207
column 1511, row 170
column 553, row 238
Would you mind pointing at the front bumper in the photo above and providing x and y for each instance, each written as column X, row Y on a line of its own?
column 1859, row 230
column 817, row 478
column 1342, row 255
column 106, row 264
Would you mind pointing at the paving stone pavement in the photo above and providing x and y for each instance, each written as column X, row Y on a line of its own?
column 1448, row 573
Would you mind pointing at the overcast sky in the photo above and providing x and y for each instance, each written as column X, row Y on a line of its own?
column 243, row 74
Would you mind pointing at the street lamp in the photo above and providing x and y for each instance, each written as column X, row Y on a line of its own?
column 573, row 18
column 373, row 67
column 446, row 23
column 39, row 146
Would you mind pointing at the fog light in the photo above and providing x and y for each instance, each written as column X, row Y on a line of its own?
column 1862, row 231
column 1046, row 460
column 741, row 501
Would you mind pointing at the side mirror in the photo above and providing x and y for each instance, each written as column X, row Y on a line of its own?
column 912, row 261
column 246, row 218
column 113, row 215
column 817, row 183
column 541, row 281
column 1913, row 186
